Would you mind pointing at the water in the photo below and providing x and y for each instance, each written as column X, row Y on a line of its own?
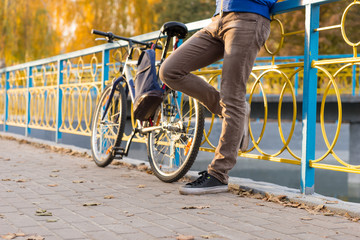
column 344, row 186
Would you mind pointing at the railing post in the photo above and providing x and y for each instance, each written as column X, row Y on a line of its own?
column 6, row 111
column 354, row 80
column 59, row 119
column 312, row 13
column 105, row 67
column 28, row 85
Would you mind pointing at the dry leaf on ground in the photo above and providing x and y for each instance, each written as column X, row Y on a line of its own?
column 52, row 220
column 13, row 235
column 195, row 207
column 35, row 237
column 141, row 186
column 184, row 237
column 109, row 197
column 91, row 204
column 42, row 212
column 9, row 236
column 210, row 236
column 52, row 185
column 21, row 180
column 78, row 181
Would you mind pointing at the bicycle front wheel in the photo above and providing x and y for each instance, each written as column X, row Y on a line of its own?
column 173, row 149
column 107, row 131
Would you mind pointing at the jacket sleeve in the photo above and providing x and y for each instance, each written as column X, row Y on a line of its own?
column 269, row 3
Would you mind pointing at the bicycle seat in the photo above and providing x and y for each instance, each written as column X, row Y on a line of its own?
column 174, row 29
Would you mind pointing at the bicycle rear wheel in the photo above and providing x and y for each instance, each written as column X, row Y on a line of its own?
column 107, row 133
column 173, row 149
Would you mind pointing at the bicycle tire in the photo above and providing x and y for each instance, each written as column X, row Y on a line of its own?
column 172, row 153
column 107, row 135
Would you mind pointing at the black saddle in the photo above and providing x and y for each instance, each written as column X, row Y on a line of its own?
column 174, row 29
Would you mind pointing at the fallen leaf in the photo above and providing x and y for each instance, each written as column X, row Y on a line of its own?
column 52, row 185
column 52, row 220
column 294, row 205
column 210, row 236
column 258, row 196
column 203, row 213
column 184, row 237
column 329, row 214
column 42, row 212
column 306, row 218
column 142, row 168
column 9, row 236
column 20, row 234
column 355, row 219
column 21, row 180
column 7, row 159
column 331, row 202
column 260, row 204
column 55, row 170
column 83, row 166
column 91, row 204
column 35, row 237
column 319, row 208
column 78, row 181
column 109, row 197
column 141, row 186
column 130, row 215
column 196, row 207
column 53, row 175
column 2, row 216
column 6, row 179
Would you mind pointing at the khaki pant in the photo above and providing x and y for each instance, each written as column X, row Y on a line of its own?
column 237, row 38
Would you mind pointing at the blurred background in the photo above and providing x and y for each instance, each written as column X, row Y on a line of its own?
column 34, row 29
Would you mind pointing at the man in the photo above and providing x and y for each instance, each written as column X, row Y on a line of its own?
column 238, row 30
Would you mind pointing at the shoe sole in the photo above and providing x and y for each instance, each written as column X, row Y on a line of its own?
column 200, row 191
column 246, row 137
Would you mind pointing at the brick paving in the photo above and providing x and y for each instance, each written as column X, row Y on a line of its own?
column 138, row 205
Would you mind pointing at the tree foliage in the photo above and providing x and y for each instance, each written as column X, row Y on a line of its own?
column 33, row 29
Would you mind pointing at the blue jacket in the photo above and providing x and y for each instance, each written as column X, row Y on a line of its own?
column 262, row 7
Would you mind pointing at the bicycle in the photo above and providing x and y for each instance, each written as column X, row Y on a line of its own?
column 174, row 132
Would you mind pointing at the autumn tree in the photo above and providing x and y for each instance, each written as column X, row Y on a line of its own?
column 26, row 31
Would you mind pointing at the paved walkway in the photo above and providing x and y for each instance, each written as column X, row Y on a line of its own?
column 88, row 202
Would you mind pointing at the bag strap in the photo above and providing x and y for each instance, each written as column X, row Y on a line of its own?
column 222, row 8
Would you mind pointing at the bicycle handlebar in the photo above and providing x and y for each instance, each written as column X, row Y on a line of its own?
column 110, row 36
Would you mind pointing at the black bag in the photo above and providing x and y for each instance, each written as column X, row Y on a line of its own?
column 148, row 94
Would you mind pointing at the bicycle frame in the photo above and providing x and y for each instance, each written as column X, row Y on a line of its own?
column 127, row 77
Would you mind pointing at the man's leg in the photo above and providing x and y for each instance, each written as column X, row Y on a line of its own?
column 199, row 51
column 241, row 33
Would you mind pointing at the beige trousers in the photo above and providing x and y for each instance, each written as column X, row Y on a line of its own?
column 237, row 38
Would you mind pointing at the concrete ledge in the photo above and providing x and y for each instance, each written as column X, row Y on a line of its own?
column 293, row 195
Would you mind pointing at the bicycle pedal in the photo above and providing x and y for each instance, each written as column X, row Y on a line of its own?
column 118, row 151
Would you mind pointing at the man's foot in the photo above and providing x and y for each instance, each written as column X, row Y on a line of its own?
column 203, row 185
column 245, row 139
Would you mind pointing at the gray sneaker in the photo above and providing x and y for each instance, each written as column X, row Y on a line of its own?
column 203, row 185
column 246, row 137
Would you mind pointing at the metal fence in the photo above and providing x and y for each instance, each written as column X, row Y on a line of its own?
column 59, row 94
